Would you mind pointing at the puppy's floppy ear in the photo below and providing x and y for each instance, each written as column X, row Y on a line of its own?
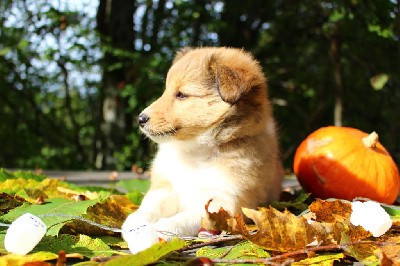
column 181, row 53
column 232, row 80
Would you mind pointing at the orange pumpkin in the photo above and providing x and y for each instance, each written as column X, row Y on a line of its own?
column 345, row 163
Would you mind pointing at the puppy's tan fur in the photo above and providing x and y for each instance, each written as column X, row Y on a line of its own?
column 216, row 137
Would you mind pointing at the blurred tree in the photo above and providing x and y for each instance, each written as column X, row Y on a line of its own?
column 48, row 65
column 115, row 24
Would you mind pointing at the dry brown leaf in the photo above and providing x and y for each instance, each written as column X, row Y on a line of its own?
column 338, row 212
column 391, row 250
column 283, row 231
column 111, row 212
column 327, row 211
column 8, row 202
column 221, row 220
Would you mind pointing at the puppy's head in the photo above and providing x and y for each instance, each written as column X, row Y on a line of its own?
column 220, row 92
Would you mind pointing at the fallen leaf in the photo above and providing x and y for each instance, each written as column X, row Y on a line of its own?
column 20, row 260
column 31, row 189
column 8, row 202
column 326, row 259
column 148, row 256
column 243, row 250
column 130, row 185
column 220, row 220
column 110, row 212
column 114, row 242
column 135, row 196
column 7, row 175
column 35, row 193
column 55, row 213
column 70, row 193
column 82, row 244
column 364, row 253
column 283, row 231
column 390, row 249
column 327, row 210
column 296, row 202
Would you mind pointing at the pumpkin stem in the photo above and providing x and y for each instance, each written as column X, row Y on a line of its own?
column 371, row 140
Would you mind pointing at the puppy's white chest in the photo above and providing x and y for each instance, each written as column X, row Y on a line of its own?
column 195, row 181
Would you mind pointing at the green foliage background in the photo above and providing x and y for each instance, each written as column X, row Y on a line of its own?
column 62, row 64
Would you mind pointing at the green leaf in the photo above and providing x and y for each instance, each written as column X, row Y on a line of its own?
column 337, row 15
column 298, row 203
column 17, row 260
column 23, row 44
column 5, row 175
column 393, row 211
column 103, row 191
column 326, row 259
column 148, row 256
column 5, row 51
column 17, row 186
column 32, row 188
column 87, row 263
column 243, row 250
column 385, row 33
column 53, row 206
column 83, row 244
column 130, row 185
column 135, row 196
column 115, row 242
column 379, row 81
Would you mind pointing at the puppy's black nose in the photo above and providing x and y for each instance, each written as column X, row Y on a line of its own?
column 142, row 119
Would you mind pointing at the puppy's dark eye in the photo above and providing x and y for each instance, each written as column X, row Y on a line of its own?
column 181, row 96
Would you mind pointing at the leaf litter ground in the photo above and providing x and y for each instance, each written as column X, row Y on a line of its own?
column 275, row 234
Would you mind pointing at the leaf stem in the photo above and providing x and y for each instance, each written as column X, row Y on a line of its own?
column 212, row 242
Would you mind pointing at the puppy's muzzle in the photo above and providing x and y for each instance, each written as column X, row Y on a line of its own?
column 143, row 119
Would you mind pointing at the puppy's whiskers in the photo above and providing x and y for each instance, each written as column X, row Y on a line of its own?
column 166, row 132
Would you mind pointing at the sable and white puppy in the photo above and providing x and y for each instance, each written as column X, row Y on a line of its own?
column 216, row 138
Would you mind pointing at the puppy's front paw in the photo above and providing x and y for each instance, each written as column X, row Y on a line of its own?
column 166, row 229
column 138, row 233
column 181, row 226
column 215, row 205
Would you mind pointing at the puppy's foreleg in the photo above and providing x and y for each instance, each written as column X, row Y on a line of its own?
column 186, row 223
column 158, row 203
column 137, row 229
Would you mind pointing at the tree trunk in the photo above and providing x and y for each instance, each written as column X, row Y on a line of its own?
column 337, row 78
column 115, row 24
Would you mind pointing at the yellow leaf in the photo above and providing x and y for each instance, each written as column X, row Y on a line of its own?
column 324, row 260
column 72, row 193
column 16, row 260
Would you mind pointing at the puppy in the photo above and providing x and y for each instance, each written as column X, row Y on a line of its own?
column 216, row 141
